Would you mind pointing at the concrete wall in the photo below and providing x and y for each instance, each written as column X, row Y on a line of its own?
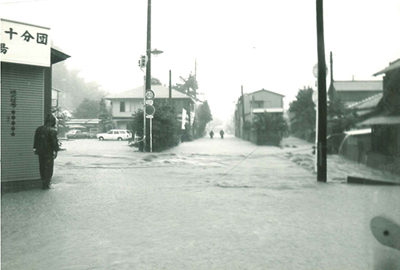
column 356, row 148
column 263, row 137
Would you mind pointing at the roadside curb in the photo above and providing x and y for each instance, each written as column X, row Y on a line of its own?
column 365, row 181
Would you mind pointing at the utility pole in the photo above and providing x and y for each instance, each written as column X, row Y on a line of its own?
column 322, row 107
column 148, row 47
column 148, row 71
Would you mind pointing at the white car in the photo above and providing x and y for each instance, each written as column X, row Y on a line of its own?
column 115, row 134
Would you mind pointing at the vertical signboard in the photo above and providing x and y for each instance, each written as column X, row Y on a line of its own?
column 25, row 44
column 183, row 118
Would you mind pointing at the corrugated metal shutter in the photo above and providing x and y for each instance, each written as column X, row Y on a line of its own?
column 17, row 159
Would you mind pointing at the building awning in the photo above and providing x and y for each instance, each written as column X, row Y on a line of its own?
column 58, row 56
column 83, row 121
column 272, row 110
column 381, row 120
column 358, row 131
column 76, row 127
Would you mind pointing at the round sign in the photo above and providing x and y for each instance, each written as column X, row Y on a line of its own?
column 149, row 94
column 315, row 70
column 149, row 109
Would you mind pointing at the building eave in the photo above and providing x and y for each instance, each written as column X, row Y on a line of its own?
column 58, row 56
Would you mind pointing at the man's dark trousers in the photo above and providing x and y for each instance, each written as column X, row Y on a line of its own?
column 46, row 165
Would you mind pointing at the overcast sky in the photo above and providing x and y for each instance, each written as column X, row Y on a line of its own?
column 254, row 43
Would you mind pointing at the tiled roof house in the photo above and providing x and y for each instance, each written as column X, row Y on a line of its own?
column 351, row 92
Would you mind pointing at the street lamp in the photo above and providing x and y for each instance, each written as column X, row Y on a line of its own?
column 156, row 52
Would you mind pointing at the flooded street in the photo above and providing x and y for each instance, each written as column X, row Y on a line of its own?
column 206, row 204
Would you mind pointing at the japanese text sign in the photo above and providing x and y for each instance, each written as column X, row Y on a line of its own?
column 25, row 44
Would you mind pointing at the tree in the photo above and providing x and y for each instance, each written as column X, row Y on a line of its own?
column 87, row 109
column 303, row 122
column 73, row 87
column 340, row 118
column 203, row 116
column 155, row 81
column 105, row 116
column 189, row 86
column 61, row 116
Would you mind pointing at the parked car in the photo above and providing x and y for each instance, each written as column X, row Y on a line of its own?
column 76, row 134
column 115, row 134
column 93, row 132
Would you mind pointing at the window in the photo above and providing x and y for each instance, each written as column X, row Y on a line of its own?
column 122, row 132
column 258, row 104
column 116, row 132
column 122, row 106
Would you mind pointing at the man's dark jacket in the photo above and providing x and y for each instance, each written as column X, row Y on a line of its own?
column 46, row 141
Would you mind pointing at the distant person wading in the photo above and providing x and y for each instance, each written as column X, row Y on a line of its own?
column 211, row 134
column 46, row 147
column 222, row 134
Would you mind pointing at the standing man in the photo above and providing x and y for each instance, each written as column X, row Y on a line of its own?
column 46, row 147
column 222, row 134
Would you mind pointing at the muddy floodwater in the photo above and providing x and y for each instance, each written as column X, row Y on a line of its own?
column 206, row 204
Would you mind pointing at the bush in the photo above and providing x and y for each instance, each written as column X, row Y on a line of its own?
column 165, row 127
column 270, row 128
column 271, row 122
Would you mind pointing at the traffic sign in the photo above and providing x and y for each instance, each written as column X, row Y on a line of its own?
column 143, row 61
column 149, row 109
column 315, row 96
column 315, row 70
column 149, row 102
column 149, row 94
column 149, row 116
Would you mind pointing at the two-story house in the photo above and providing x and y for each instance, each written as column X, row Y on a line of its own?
column 261, row 101
column 124, row 104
